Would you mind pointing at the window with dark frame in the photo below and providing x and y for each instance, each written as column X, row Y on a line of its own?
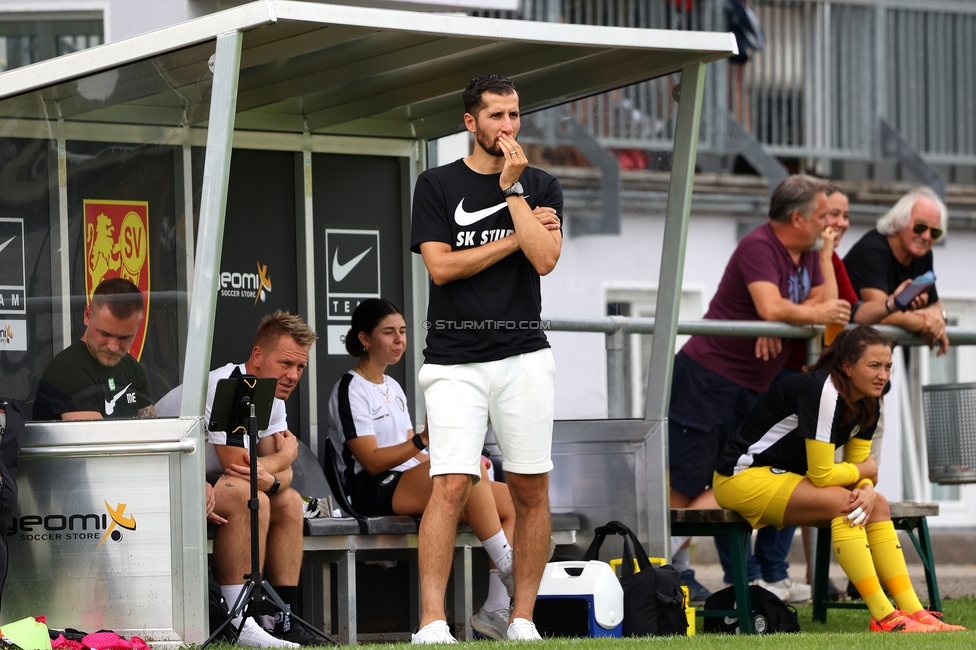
column 25, row 39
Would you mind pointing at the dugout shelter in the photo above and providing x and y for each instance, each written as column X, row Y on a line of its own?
column 233, row 165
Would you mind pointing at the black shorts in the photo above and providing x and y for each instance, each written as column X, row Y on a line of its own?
column 373, row 495
column 705, row 410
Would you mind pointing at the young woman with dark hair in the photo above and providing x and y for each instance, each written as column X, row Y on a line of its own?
column 387, row 470
column 778, row 470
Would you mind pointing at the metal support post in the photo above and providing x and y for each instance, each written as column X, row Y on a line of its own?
column 227, row 62
column 669, row 287
column 346, row 598
column 463, row 593
column 616, row 375
column 213, row 203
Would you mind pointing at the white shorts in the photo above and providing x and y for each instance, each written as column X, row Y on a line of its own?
column 515, row 395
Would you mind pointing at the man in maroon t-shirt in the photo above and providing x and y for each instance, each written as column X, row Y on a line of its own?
column 773, row 275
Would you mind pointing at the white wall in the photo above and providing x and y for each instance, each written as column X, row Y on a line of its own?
column 591, row 265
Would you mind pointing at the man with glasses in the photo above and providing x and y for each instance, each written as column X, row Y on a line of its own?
column 899, row 249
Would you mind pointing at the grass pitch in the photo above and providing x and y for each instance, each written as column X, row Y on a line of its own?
column 845, row 629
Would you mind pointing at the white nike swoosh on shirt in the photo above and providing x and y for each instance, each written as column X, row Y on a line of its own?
column 340, row 271
column 465, row 218
column 7, row 243
column 110, row 405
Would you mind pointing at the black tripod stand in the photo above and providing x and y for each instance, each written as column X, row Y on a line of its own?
column 235, row 410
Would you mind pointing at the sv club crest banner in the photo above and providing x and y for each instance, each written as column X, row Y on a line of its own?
column 117, row 245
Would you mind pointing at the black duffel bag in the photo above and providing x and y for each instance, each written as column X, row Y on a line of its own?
column 770, row 615
column 653, row 600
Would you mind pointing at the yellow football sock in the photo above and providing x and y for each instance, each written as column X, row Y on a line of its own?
column 889, row 562
column 851, row 549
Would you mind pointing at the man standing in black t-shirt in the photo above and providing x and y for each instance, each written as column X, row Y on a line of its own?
column 95, row 377
column 900, row 249
column 487, row 227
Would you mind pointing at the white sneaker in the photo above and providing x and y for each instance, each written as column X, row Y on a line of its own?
column 799, row 592
column 493, row 625
column 779, row 592
column 254, row 636
column 522, row 629
column 433, row 632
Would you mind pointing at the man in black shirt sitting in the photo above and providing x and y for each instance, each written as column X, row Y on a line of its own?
column 900, row 249
column 95, row 377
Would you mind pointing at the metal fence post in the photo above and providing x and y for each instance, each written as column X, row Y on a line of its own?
column 616, row 375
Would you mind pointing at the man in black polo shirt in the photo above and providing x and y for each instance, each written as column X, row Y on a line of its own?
column 95, row 377
column 487, row 226
column 900, row 249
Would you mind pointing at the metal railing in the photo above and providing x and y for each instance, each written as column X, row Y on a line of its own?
column 616, row 328
column 830, row 71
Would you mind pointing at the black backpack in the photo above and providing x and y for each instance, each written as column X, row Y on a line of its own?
column 653, row 600
column 769, row 614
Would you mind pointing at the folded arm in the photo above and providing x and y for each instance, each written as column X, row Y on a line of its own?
column 772, row 306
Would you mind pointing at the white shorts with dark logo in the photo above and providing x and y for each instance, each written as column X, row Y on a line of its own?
column 514, row 394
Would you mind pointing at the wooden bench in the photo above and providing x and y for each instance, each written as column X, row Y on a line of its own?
column 905, row 515
column 719, row 522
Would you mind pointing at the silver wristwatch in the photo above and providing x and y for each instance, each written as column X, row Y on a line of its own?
column 514, row 190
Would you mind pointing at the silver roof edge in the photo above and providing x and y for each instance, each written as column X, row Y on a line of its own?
column 721, row 44
column 713, row 45
column 111, row 55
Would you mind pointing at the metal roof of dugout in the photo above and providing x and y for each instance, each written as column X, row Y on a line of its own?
column 295, row 75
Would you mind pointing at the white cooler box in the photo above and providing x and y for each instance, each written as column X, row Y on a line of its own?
column 579, row 599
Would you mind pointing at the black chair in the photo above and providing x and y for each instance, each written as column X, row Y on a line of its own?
column 394, row 524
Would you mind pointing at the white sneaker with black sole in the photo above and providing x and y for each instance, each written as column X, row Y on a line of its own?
column 493, row 625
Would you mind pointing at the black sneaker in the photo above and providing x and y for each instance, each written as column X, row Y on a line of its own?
column 296, row 633
column 697, row 593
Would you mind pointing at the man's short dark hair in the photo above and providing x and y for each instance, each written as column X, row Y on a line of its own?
column 489, row 83
column 273, row 326
column 121, row 296
column 796, row 194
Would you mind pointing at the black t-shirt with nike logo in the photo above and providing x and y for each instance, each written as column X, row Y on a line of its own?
column 496, row 313
column 76, row 381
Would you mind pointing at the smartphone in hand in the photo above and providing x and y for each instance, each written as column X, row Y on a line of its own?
column 919, row 285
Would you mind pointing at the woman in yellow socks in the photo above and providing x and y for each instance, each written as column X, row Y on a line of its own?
column 778, row 469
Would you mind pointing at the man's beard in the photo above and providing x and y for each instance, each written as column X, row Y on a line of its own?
column 112, row 360
column 490, row 147
column 817, row 244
